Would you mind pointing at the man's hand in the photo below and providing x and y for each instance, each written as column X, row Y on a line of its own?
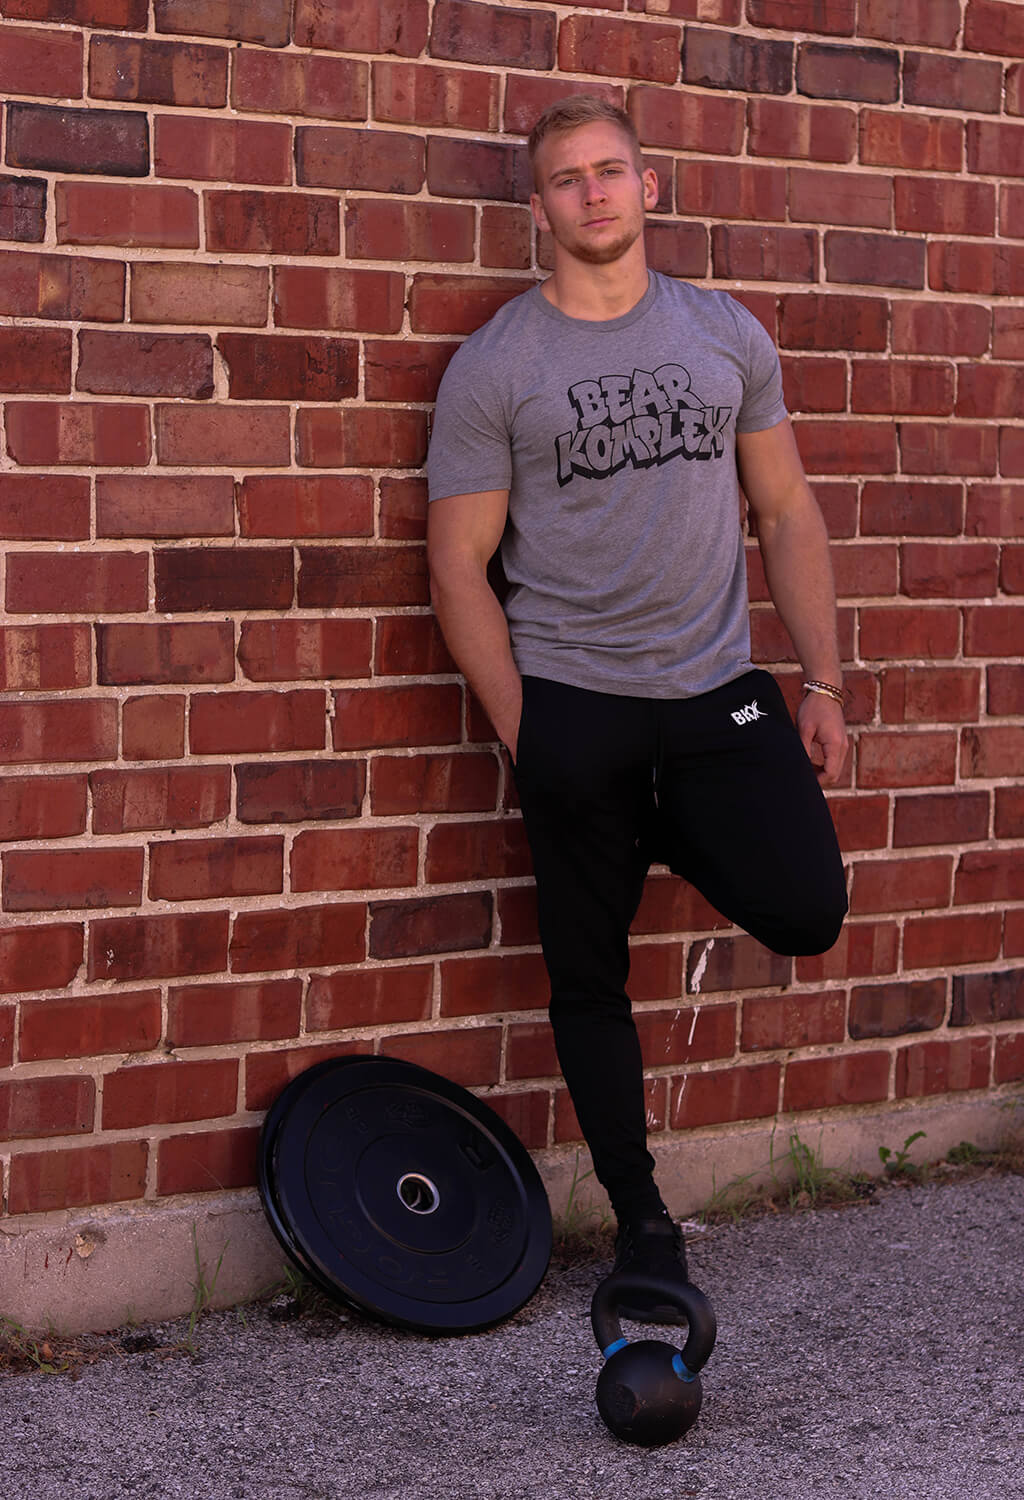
column 820, row 722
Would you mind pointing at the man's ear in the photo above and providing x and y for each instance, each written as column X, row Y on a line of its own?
column 650, row 180
column 540, row 218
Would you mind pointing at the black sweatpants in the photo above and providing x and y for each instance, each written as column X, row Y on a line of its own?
column 720, row 789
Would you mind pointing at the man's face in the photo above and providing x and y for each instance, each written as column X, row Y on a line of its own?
column 590, row 193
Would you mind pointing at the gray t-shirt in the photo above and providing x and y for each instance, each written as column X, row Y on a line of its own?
column 616, row 441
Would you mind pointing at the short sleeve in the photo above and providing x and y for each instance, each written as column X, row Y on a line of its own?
column 470, row 448
column 763, row 402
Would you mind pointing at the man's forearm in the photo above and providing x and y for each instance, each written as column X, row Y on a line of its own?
column 476, row 633
column 798, row 568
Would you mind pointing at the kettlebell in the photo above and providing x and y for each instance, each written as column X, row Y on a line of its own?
column 649, row 1392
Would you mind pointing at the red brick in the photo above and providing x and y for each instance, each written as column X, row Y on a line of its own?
column 130, row 15
column 834, row 17
column 404, row 369
column 670, row 905
column 737, row 963
column 97, row 583
column 725, row 1095
column 261, row 223
column 318, row 297
column 37, row 1107
column 517, row 915
column 58, row 730
column 121, row 364
column 874, row 259
column 677, row 249
column 915, row 695
column 782, row 1021
column 815, row 132
column 1009, row 818
column 845, row 447
column 175, row 292
column 80, row 432
column 687, row 121
column 994, row 630
column 990, row 751
column 298, row 791
column 814, row 320
column 730, row 60
column 910, row 508
column 982, row 999
column 922, row 388
column 159, row 946
column 994, row 26
column 406, row 93
column 56, row 139
column 343, row 577
column 835, row 72
column 403, row 509
column 1009, row 1059
column 42, row 807
column 893, row 1009
column 361, row 437
column 223, row 150
column 840, row 197
column 531, row 1052
column 528, row 95
column 433, row 783
column 1005, row 689
column 687, row 1034
column 619, row 49
column 147, row 72
column 994, row 510
column 748, row 252
column 44, row 1181
column 249, row 436
column 200, row 1161
column 466, row 32
column 887, row 633
column 990, row 390
column 936, row 206
column 526, row 1113
column 940, row 328
column 966, row 266
column 35, row 361
column 941, row 1067
column 471, row 1057
column 1013, row 937
column 436, row 924
column 952, row 82
column 221, row 723
column 505, row 236
column 388, row 26
column 267, row 1073
column 458, row 304
column 89, row 1026
column 169, row 1092
column 330, row 88
column 890, row 885
column 369, row 997
column 814, row 385
column 263, row 21
column 731, row 190
column 922, row 143
column 354, row 859
column 61, row 286
column 299, row 937
column 23, row 209
column 410, row 646
column 723, row 12
column 291, row 650
column 178, row 505
column 1011, row 216
column 458, row 168
column 40, row 657
column 153, row 727
column 183, row 797
column 377, row 160
column 1014, row 101
column 904, row 759
column 119, row 213
column 40, row 957
column 943, row 570
column 930, row 448
column 860, row 822
column 382, row 229
column 285, row 368
column 935, row 23
column 462, row 852
column 828, row 1082
column 864, row 569
column 942, row 942
column 219, row 578
column 493, row 982
column 1011, row 451
column 290, row 506
column 390, row 716
column 205, row 869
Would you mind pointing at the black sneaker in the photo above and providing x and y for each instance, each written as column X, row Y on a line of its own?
column 653, row 1247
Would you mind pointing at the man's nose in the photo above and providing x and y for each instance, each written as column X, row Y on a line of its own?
column 593, row 187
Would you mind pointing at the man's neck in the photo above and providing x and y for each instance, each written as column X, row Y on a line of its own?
column 596, row 294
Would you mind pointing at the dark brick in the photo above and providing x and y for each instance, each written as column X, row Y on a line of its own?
column 23, row 209
column 727, row 60
column 893, row 1009
column 981, row 999
column 285, row 368
column 824, row 71
column 219, row 578
column 493, row 35
column 478, row 169
column 113, row 142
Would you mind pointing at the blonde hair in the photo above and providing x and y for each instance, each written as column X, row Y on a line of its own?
column 576, row 110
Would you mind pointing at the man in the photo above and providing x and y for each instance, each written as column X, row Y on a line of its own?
column 597, row 429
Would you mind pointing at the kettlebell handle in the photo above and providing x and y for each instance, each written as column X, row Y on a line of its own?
column 700, row 1316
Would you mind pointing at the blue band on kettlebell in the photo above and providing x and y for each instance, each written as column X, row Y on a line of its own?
column 614, row 1348
column 680, row 1368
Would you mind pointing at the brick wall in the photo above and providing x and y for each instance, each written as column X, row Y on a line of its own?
column 250, row 817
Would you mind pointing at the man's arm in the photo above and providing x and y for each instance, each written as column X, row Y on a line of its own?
column 794, row 547
column 463, row 532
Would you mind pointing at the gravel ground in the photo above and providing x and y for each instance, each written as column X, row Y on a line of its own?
column 864, row 1352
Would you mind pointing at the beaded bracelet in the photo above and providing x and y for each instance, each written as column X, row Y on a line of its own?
column 829, row 690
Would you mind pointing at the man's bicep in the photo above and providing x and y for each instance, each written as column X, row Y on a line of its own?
column 465, row 528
